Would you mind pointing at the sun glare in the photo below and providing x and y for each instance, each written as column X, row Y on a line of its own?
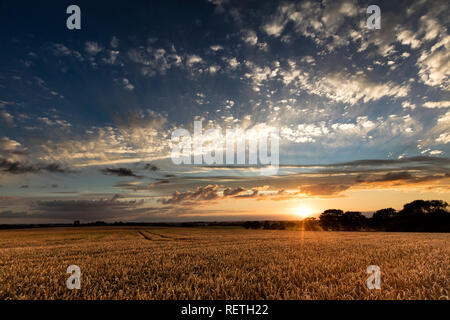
column 304, row 212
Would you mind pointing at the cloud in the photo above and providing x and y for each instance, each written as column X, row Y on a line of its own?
column 327, row 24
column 92, row 47
column 10, row 214
column 343, row 87
column 234, row 192
column 208, row 192
column 443, row 138
column 253, row 194
column 139, row 135
column 157, row 183
column 127, row 85
column 7, row 118
column 250, row 37
column 321, row 181
column 89, row 210
column 193, row 59
column 113, row 54
column 114, row 42
column 436, row 104
column 121, row 172
column 151, row 167
column 323, row 189
column 61, row 50
column 10, row 145
column 216, row 48
column 57, row 122
column 434, row 65
column 17, row 167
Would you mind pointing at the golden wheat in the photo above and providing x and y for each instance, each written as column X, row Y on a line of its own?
column 214, row 263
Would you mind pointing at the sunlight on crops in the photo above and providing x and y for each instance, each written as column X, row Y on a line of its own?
column 221, row 263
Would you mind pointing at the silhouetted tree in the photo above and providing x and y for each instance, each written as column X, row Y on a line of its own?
column 384, row 214
column 381, row 218
column 423, row 215
column 330, row 219
column 252, row 225
column 424, row 207
column 419, row 215
column 353, row 220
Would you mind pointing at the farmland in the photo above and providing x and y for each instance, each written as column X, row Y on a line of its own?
column 221, row 263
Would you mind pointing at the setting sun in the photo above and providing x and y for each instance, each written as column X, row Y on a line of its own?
column 304, row 212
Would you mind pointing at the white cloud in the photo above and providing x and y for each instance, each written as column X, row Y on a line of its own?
column 56, row 122
column 407, row 104
column 7, row 144
column 326, row 23
column 93, row 47
column 250, row 37
column 434, row 65
column 155, row 60
column 127, row 85
column 436, row 104
column 232, row 63
column 213, row 69
column 443, row 138
column 7, row 117
column 216, row 48
column 193, row 59
column 141, row 137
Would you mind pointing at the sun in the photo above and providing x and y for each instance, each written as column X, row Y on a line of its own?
column 304, row 212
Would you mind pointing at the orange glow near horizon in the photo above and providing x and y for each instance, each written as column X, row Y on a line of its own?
column 304, row 212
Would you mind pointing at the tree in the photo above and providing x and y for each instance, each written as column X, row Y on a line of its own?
column 424, row 207
column 384, row 214
column 330, row 219
column 353, row 220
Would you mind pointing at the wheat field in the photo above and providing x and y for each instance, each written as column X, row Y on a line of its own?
column 221, row 263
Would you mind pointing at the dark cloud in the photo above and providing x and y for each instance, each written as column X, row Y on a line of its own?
column 17, row 167
column 333, row 179
column 254, row 194
column 86, row 209
column 157, row 183
column 233, row 192
column 315, row 182
column 121, row 172
column 151, row 167
column 136, row 186
column 11, row 214
column 17, row 152
column 323, row 189
column 211, row 193
column 208, row 192
column 380, row 162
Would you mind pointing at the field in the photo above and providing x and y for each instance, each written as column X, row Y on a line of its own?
column 221, row 263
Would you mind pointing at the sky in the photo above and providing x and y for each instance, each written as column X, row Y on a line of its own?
column 87, row 116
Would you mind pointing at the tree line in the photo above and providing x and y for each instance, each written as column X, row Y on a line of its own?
column 416, row 216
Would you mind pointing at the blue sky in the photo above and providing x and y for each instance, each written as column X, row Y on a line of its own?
column 74, row 102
